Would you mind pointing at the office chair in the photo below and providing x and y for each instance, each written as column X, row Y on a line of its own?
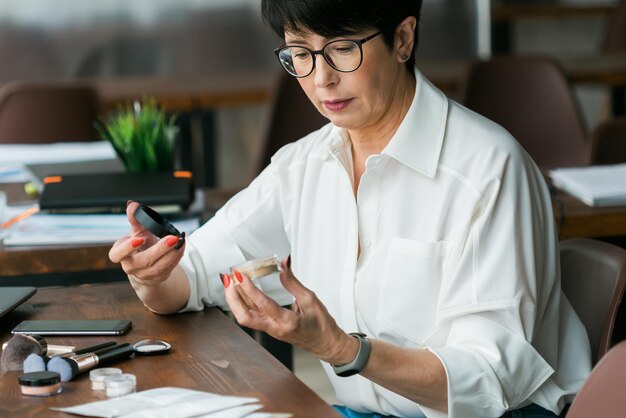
column 530, row 97
column 608, row 144
column 291, row 116
column 593, row 277
column 602, row 394
column 42, row 113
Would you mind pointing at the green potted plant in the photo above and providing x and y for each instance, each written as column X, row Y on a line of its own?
column 142, row 135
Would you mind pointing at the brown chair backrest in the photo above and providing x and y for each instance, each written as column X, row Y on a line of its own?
column 602, row 394
column 291, row 116
column 615, row 40
column 608, row 144
column 41, row 113
column 530, row 97
column 593, row 277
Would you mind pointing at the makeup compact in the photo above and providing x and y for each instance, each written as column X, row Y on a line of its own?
column 40, row 383
column 259, row 267
column 97, row 376
column 151, row 347
column 154, row 222
column 120, row 385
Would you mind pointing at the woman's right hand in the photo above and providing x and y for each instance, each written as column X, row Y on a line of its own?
column 146, row 259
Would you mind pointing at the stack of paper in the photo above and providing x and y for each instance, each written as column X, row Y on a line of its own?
column 595, row 185
column 173, row 403
column 45, row 229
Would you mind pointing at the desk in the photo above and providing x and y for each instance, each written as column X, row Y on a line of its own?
column 197, row 339
column 575, row 219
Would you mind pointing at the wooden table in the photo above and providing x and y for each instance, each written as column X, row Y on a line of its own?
column 202, row 344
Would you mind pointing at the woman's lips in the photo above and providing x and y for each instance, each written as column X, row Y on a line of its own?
column 336, row 105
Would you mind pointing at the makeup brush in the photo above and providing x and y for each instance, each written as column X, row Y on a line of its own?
column 34, row 363
column 15, row 351
column 69, row 367
column 37, row 363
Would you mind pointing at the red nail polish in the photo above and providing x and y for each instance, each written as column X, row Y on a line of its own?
column 225, row 280
column 171, row 241
column 238, row 276
column 137, row 242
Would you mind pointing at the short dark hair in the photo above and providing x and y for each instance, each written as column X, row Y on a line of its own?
column 334, row 18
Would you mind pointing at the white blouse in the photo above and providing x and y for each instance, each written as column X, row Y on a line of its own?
column 458, row 256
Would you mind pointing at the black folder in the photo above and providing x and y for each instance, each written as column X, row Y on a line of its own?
column 110, row 192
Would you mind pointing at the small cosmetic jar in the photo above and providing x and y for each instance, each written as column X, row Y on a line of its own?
column 120, row 385
column 97, row 376
column 40, row 383
column 259, row 267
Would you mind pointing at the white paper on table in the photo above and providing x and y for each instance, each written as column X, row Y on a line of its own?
column 46, row 229
column 15, row 173
column 602, row 185
column 60, row 152
column 165, row 402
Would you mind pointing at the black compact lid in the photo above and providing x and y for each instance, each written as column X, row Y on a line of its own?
column 154, row 222
column 39, row 379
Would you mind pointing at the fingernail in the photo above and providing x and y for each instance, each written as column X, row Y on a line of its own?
column 128, row 203
column 137, row 242
column 225, row 280
column 181, row 241
column 289, row 261
column 238, row 276
column 171, row 241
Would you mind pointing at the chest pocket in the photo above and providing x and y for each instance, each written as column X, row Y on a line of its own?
column 412, row 278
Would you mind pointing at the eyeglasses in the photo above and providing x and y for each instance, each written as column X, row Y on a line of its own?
column 344, row 55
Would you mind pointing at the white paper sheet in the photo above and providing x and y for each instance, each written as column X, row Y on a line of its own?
column 168, row 402
column 46, row 229
column 602, row 185
column 56, row 152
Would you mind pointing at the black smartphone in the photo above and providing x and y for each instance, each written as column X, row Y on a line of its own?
column 74, row 327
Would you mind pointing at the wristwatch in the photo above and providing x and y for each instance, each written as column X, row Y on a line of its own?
column 359, row 362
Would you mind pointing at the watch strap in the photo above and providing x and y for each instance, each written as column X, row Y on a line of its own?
column 359, row 362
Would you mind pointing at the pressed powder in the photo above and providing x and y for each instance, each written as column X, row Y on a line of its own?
column 97, row 376
column 40, row 383
column 259, row 267
column 120, row 385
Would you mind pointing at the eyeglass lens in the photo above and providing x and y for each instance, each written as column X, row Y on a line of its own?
column 341, row 55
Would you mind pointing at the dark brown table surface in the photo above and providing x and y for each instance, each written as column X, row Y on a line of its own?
column 202, row 343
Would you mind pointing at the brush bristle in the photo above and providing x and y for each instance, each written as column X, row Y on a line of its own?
column 66, row 368
column 18, row 348
column 34, row 363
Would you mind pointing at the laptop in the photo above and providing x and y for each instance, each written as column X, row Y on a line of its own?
column 12, row 297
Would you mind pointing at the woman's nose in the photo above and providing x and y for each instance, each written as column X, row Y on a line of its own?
column 324, row 74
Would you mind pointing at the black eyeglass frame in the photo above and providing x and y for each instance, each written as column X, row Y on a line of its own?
column 358, row 42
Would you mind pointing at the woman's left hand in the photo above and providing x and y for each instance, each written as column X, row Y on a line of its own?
column 307, row 324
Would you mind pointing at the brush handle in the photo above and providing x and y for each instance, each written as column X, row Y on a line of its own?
column 116, row 354
column 95, row 348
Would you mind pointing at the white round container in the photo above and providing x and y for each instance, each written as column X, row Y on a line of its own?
column 97, row 376
column 120, row 385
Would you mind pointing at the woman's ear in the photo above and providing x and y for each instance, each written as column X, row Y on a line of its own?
column 404, row 38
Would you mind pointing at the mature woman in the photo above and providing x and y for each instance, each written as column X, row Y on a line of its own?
column 424, row 266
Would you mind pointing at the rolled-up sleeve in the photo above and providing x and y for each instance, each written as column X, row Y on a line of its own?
column 250, row 225
column 499, row 284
